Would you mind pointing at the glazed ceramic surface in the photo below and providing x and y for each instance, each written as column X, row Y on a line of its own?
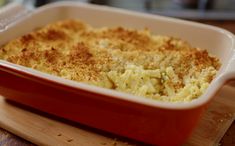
column 153, row 122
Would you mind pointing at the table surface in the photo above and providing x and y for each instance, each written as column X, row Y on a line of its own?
column 9, row 139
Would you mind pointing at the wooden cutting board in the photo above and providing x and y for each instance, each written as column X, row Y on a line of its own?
column 42, row 130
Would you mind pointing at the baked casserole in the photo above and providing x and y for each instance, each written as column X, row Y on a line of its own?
column 127, row 60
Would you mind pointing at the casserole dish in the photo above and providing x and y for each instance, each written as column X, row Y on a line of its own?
column 153, row 122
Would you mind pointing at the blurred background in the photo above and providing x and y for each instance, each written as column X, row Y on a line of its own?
column 186, row 9
column 214, row 12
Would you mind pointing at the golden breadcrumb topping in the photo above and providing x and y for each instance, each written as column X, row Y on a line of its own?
column 128, row 60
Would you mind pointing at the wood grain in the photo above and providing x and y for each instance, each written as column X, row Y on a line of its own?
column 42, row 130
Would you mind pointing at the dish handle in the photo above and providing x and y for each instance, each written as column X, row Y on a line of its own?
column 11, row 13
column 230, row 71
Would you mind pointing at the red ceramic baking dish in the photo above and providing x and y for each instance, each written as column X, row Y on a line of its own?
column 150, row 121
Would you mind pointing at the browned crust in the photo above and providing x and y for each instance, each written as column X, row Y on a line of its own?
column 74, row 46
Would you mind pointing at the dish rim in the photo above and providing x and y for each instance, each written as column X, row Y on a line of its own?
column 213, row 88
